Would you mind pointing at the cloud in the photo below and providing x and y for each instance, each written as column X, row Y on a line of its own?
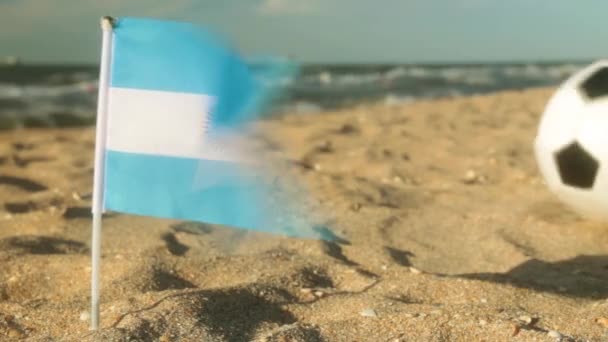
column 271, row 7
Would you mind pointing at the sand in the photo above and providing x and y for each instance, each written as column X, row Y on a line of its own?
column 452, row 237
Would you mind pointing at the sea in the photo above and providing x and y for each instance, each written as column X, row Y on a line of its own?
column 56, row 95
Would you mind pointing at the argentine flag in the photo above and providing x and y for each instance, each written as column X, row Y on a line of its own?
column 177, row 98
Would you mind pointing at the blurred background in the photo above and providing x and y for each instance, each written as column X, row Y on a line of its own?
column 329, row 53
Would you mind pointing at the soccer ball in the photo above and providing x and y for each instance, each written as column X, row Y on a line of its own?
column 571, row 146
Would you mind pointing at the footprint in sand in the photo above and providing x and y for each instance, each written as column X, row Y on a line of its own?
column 34, row 204
column 21, row 146
column 34, row 244
column 194, row 228
column 22, row 183
column 399, row 256
column 77, row 212
column 175, row 247
column 24, row 162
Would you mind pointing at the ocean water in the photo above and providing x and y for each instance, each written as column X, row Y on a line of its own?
column 54, row 94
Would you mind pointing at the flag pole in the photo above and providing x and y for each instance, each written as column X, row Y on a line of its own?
column 97, row 207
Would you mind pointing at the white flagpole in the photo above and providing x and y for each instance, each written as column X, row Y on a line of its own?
column 98, row 178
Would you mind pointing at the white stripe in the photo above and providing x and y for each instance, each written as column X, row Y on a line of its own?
column 163, row 123
column 157, row 122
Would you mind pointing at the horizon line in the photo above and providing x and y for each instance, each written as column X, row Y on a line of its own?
column 433, row 63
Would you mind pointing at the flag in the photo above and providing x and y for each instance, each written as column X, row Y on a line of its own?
column 178, row 98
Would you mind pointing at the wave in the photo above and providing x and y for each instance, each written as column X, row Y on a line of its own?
column 302, row 89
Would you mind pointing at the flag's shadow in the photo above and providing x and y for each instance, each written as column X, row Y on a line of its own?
column 585, row 276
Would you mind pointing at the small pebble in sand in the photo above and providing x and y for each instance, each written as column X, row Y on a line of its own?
column 516, row 330
column 470, row 177
column 483, row 300
column 308, row 294
column 349, row 129
column 85, row 316
column 554, row 334
column 603, row 321
column 368, row 313
column 415, row 270
column 319, row 294
column 525, row 319
column 483, row 322
column 15, row 334
column 326, row 147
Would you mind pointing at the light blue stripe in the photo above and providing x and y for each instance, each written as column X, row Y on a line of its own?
column 181, row 57
column 164, row 55
column 199, row 190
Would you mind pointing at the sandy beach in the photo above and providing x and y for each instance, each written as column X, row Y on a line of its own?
column 452, row 236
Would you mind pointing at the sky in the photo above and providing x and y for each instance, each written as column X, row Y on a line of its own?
column 328, row 31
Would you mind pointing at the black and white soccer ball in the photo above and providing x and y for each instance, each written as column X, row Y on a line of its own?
column 572, row 142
